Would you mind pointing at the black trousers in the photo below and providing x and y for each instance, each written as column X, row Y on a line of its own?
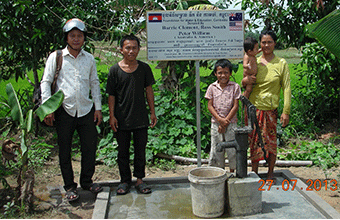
column 86, row 128
column 140, row 138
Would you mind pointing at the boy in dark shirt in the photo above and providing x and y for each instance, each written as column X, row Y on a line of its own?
column 129, row 82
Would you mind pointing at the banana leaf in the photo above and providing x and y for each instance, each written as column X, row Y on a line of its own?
column 13, row 101
column 51, row 105
column 327, row 32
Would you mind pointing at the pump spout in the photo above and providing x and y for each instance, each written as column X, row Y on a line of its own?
column 241, row 139
column 227, row 144
column 241, row 145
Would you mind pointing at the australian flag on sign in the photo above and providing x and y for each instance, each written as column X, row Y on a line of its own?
column 235, row 22
column 155, row 17
column 235, row 17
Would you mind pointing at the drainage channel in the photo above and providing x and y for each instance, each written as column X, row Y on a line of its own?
column 171, row 199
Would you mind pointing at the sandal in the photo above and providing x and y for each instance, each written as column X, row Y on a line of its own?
column 72, row 195
column 143, row 188
column 94, row 188
column 125, row 187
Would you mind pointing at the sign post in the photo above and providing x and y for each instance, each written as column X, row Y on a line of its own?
column 198, row 113
column 195, row 35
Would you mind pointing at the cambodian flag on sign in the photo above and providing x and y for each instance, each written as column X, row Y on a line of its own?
column 155, row 18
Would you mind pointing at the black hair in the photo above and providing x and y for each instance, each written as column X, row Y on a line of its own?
column 129, row 37
column 223, row 63
column 249, row 44
column 268, row 32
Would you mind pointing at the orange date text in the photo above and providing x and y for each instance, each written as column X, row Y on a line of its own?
column 311, row 185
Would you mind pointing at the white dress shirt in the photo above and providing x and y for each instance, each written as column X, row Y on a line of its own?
column 76, row 78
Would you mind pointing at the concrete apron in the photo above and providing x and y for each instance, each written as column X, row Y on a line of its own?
column 171, row 198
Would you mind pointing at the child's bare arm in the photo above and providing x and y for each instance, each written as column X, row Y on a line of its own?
column 233, row 111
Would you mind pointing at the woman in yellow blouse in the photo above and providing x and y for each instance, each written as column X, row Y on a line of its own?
column 272, row 76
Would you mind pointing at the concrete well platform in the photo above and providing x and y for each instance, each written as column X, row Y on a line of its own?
column 171, row 199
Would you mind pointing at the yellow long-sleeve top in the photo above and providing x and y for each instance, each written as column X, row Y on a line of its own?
column 269, row 81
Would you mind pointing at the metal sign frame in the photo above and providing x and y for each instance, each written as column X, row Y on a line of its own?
column 194, row 35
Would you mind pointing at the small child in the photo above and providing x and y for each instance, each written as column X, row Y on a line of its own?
column 223, row 96
column 251, row 48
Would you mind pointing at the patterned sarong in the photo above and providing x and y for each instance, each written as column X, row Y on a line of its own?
column 267, row 123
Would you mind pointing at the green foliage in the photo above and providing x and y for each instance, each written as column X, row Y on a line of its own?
column 11, row 209
column 323, row 155
column 50, row 105
column 327, row 31
column 164, row 164
column 30, row 30
column 288, row 17
column 175, row 132
column 223, row 4
column 107, row 150
column 175, row 129
column 3, row 173
column 317, row 96
column 255, row 35
column 39, row 152
column 14, row 103
column 25, row 125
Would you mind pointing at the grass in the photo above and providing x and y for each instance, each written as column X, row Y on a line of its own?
column 291, row 55
column 109, row 57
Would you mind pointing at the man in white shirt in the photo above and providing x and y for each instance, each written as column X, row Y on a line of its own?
column 77, row 77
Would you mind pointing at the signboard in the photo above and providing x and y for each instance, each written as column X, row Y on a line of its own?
column 194, row 35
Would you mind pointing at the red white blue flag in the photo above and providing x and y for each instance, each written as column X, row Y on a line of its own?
column 235, row 17
column 155, row 17
column 235, row 22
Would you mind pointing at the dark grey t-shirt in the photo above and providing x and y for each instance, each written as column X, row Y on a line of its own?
column 129, row 92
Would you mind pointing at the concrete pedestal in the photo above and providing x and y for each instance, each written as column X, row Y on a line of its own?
column 244, row 196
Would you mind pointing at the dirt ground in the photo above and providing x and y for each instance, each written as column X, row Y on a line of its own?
column 51, row 203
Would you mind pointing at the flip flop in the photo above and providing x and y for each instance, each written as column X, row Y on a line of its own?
column 123, row 186
column 72, row 195
column 143, row 188
column 94, row 188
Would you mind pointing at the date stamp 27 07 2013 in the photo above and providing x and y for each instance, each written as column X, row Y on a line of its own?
column 286, row 185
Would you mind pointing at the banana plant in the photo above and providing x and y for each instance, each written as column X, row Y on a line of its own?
column 25, row 123
column 327, row 31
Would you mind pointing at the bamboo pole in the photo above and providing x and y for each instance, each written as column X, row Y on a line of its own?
column 279, row 163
